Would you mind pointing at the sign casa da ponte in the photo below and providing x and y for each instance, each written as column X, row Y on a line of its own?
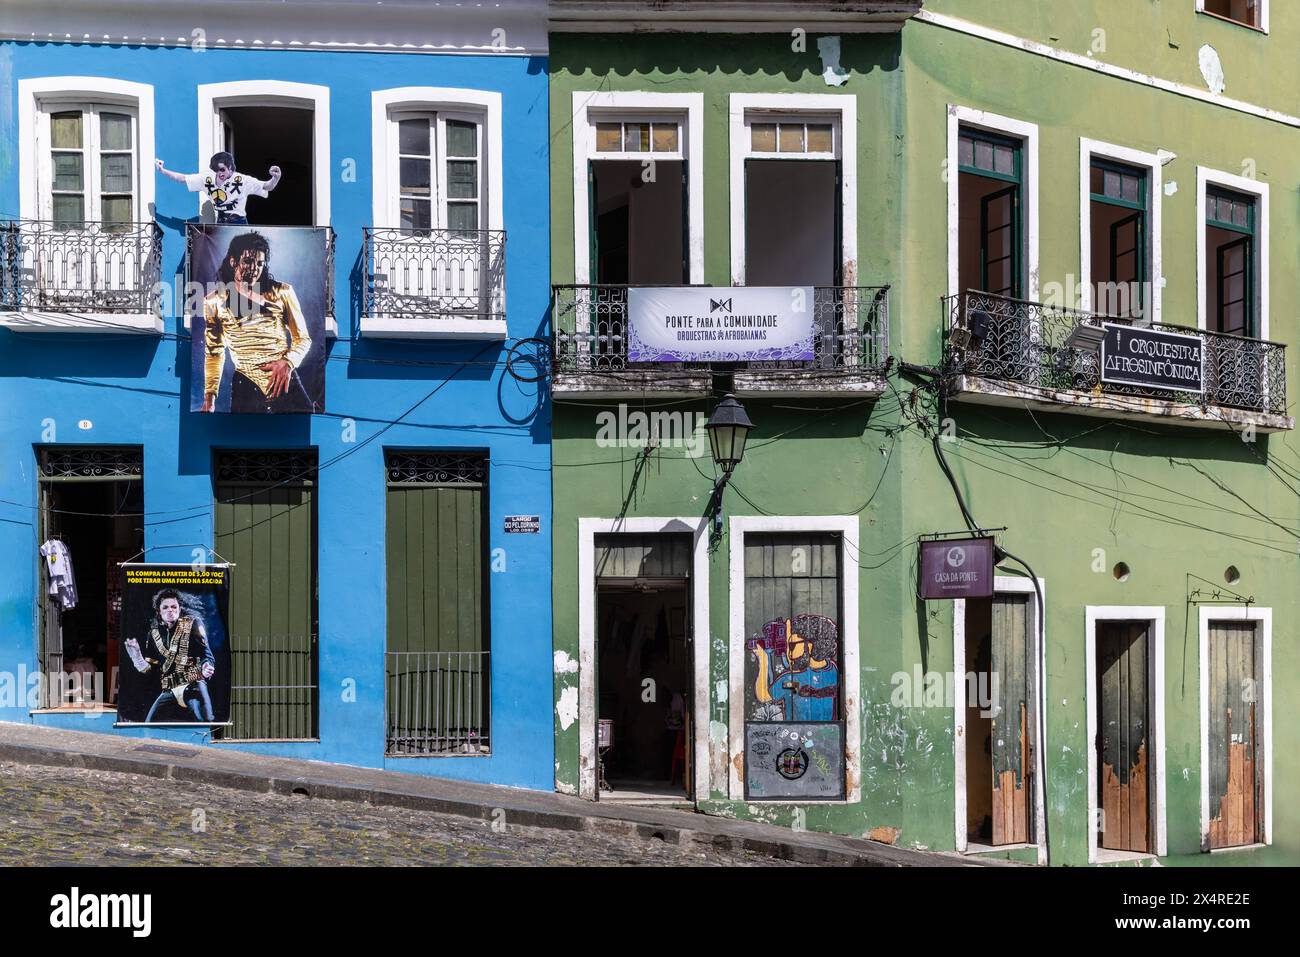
column 957, row 568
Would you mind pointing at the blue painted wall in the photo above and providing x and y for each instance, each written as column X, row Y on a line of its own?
column 134, row 389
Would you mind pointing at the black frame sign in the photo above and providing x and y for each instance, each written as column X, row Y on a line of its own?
column 1152, row 359
column 957, row 568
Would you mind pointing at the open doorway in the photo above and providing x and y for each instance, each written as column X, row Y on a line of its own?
column 792, row 226
column 639, row 222
column 1125, row 795
column 260, row 137
column 644, row 665
column 91, row 520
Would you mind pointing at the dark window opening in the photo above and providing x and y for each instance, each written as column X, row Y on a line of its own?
column 792, row 222
column 260, row 137
column 990, row 213
column 639, row 217
column 92, row 504
column 1230, row 264
column 1118, row 214
column 1248, row 12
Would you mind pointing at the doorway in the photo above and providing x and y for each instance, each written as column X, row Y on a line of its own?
column 260, row 137
column 792, row 222
column 638, row 222
column 1234, row 683
column 92, row 519
column 1123, row 740
column 644, row 662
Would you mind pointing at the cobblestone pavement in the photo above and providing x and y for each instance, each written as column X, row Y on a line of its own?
column 58, row 815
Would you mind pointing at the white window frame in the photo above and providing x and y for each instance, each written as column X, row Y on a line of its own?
column 594, row 106
column 40, row 95
column 1002, row 585
column 1263, row 16
column 709, row 777
column 1155, row 614
column 847, row 527
column 92, row 154
column 1027, row 133
column 438, row 160
column 1205, row 178
column 761, row 117
column 841, row 109
column 1153, row 165
column 213, row 97
column 596, row 117
column 1264, row 617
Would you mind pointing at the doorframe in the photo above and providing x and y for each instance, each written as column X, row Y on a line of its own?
column 588, row 529
column 1265, row 618
column 309, row 96
column 850, row 670
column 1155, row 614
column 1008, row 585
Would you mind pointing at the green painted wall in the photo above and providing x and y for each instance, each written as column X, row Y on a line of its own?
column 1166, row 500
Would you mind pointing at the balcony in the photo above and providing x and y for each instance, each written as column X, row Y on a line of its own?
column 96, row 277
column 590, row 348
column 1001, row 351
column 434, row 284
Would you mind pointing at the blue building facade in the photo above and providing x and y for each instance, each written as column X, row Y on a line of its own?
column 423, row 146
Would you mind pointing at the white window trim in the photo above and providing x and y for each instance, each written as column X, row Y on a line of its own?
column 1156, row 615
column 589, row 106
column 792, row 105
column 1206, row 177
column 1263, row 16
column 37, row 92
column 1002, row 585
column 847, row 526
column 213, row 96
column 1153, row 164
column 1237, row 613
column 435, row 99
column 959, row 116
column 777, row 118
column 708, row 775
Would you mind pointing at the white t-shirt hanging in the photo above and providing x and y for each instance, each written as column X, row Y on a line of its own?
column 59, row 565
column 229, row 197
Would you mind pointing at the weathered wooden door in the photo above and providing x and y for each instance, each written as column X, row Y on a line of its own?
column 1236, row 768
column 1012, row 729
column 265, row 523
column 1123, row 748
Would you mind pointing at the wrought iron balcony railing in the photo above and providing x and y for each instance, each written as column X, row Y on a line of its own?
column 92, row 268
column 1052, row 348
column 433, row 273
column 850, row 323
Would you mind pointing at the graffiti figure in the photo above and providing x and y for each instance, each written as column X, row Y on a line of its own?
column 798, row 671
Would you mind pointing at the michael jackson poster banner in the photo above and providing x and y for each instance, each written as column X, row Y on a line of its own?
column 257, row 299
column 175, row 650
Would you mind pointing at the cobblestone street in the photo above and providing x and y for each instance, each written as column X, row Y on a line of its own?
column 54, row 815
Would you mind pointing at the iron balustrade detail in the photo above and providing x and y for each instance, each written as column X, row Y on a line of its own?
column 437, row 702
column 850, row 332
column 273, row 690
column 434, row 273
column 89, row 268
column 1056, row 349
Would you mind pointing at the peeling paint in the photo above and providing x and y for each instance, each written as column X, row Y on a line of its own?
column 883, row 834
column 1171, row 187
column 828, row 48
column 720, row 692
column 565, row 665
column 1211, row 68
column 564, row 787
column 567, row 708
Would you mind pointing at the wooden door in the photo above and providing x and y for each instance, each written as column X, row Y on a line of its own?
column 1123, row 747
column 1011, row 740
column 1236, row 771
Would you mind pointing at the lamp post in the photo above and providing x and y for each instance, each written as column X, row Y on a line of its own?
column 728, row 428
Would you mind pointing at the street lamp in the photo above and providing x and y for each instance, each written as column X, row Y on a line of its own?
column 729, row 428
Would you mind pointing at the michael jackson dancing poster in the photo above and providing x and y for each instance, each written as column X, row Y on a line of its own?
column 257, row 300
column 175, row 651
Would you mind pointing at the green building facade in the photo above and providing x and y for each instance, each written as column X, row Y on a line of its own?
column 987, row 201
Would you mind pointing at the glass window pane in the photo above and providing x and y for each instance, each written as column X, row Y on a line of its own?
column 966, row 151
column 462, row 179
column 983, row 154
column 790, row 136
column 1004, row 160
column 115, row 173
column 1241, row 214
column 636, row 137
column 665, row 137
column 1113, row 188
column 69, row 212
column 415, row 176
column 67, row 171
column 462, row 138
column 609, row 137
column 1096, row 181
column 462, row 216
column 762, row 137
column 413, row 137
column 114, row 131
column 821, row 139
column 416, row 213
column 115, row 209
column 65, row 131
column 1133, row 189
